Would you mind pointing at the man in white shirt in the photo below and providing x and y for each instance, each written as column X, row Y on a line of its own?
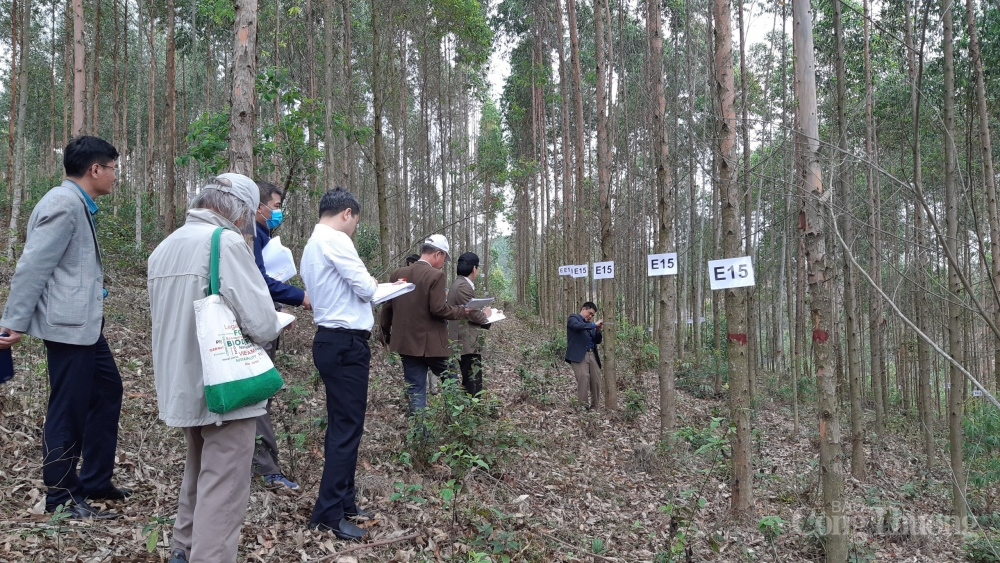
column 340, row 289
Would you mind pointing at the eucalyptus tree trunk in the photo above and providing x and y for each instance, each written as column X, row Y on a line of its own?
column 20, row 174
column 79, row 71
column 170, row 111
column 151, row 105
column 569, row 204
column 604, row 195
column 243, row 105
column 67, row 72
column 821, row 275
column 579, row 236
column 751, row 327
column 665, row 209
column 11, row 131
column 874, row 258
column 329, row 147
column 850, row 280
column 378, row 106
column 955, row 335
column 736, row 311
column 924, row 395
column 986, row 153
column 96, row 75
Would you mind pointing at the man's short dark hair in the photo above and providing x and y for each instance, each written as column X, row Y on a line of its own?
column 267, row 191
column 336, row 201
column 466, row 263
column 82, row 152
column 590, row 305
column 412, row 258
column 429, row 249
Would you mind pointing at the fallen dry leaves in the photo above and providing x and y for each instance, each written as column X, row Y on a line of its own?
column 584, row 482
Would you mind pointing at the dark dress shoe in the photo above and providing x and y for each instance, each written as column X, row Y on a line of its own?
column 345, row 530
column 178, row 556
column 359, row 513
column 83, row 511
column 114, row 493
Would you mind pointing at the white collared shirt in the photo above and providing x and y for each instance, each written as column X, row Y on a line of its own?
column 339, row 286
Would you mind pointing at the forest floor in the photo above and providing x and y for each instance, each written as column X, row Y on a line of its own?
column 524, row 477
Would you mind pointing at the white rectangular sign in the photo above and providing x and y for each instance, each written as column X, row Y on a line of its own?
column 580, row 271
column 661, row 264
column 565, row 270
column 730, row 272
column 604, row 270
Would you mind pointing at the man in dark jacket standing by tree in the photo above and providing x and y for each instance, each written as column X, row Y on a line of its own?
column 582, row 338
column 267, row 217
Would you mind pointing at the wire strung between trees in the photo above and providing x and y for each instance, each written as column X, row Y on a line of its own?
column 825, row 200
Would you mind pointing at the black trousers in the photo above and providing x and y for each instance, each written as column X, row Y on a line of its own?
column 472, row 373
column 85, row 401
column 343, row 361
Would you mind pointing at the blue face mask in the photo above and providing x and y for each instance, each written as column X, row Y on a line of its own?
column 275, row 220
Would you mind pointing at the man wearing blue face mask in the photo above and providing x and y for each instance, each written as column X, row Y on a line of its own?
column 268, row 217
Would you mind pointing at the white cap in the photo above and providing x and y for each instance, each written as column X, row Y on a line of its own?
column 240, row 186
column 440, row 243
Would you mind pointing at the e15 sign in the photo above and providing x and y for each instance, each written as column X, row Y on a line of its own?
column 730, row 272
column 579, row 271
column 565, row 270
column 661, row 264
column 604, row 270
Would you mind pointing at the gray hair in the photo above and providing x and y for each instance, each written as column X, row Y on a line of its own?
column 225, row 204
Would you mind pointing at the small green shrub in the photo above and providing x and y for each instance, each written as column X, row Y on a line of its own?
column 635, row 404
column 982, row 547
column 461, row 431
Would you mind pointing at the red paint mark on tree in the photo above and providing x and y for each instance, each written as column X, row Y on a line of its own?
column 741, row 338
column 820, row 336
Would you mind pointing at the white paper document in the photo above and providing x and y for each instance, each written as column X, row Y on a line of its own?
column 285, row 319
column 387, row 291
column 496, row 316
column 278, row 261
column 479, row 303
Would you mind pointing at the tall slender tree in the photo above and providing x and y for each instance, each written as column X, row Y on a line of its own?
column 243, row 103
column 821, row 274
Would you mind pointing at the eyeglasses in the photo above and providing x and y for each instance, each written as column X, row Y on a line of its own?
column 118, row 171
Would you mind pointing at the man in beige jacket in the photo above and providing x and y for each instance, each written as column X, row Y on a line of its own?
column 216, row 485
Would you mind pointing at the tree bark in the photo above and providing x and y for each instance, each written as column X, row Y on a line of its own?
column 875, row 257
column 79, row 70
column 821, row 275
column 665, row 236
column 170, row 115
column 243, row 104
column 736, row 311
column 20, row 174
column 604, row 195
column 955, row 336
column 579, row 254
column 850, row 282
column 377, row 108
column 95, row 113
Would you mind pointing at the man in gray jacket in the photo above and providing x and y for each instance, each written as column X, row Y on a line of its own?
column 216, row 484
column 57, row 294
